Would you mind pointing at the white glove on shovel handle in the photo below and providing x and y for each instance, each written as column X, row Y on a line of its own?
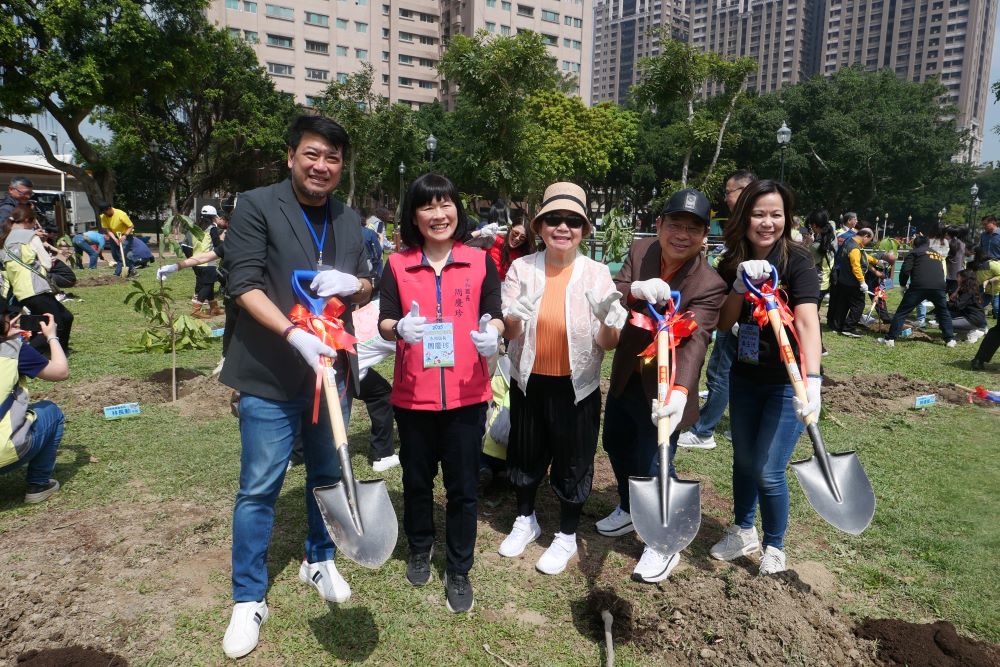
column 310, row 347
column 487, row 339
column 756, row 270
column 813, row 389
column 654, row 291
column 674, row 409
column 411, row 327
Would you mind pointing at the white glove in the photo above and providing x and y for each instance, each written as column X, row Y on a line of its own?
column 654, row 291
column 756, row 270
column 489, row 231
column 334, row 283
column 411, row 327
column 864, row 289
column 813, row 386
column 500, row 428
column 674, row 409
column 524, row 307
column 609, row 310
column 310, row 347
column 487, row 339
column 735, row 331
column 166, row 270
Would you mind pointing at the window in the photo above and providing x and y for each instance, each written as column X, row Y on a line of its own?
column 233, row 4
column 405, row 36
column 491, row 3
column 551, row 17
column 279, row 41
column 279, row 12
column 250, row 7
column 341, row 24
column 428, row 40
column 572, row 43
column 360, row 27
column 550, row 40
column 251, row 36
column 317, row 47
column 405, row 59
column 313, row 101
column 525, row 10
column 317, row 74
column 428, row 18
column 234, row 32
column 406, row 81
column 341, row 50
column 385, row 56
column 278, row 69
column 575, row 22
column 491, row 26
column 361, row 54
column 341, row 77
column 385, row 10
column 505, row 30
column 405, row 13
column 505, row 5
column 426, row 62
column 426, row 84
column 361, row 3
column 385, row 33
column 385, row 79
column 312, row 18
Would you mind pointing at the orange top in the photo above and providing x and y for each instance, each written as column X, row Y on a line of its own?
column 552, row 344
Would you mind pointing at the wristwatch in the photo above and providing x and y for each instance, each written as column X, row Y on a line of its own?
column 395, row 329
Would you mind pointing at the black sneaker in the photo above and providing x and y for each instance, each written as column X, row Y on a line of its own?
column 36, row 493
column 418, row 568
column 978, row 365
column 458, row 591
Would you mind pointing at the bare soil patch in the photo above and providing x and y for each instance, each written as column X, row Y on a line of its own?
column 926, row 644
column 864, row 394
column 98, row 281
column 71, row 656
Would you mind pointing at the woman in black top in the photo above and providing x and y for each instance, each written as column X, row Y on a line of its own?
column 766, row 418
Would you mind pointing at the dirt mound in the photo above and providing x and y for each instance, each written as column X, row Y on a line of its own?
column 98, row 281
column 865, row 394
column 926, row 644
column 71, row 656
column 198, row 395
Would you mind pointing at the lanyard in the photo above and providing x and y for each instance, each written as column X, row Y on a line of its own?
column 320, row 241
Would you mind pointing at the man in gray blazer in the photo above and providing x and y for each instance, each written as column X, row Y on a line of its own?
column 275, row 230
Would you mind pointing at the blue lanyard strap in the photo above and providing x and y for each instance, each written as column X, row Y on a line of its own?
column 320, row 241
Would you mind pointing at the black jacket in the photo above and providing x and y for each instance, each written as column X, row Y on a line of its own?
column 925, row 267
column 969, row 306
column 7, row 205
column 266, row 241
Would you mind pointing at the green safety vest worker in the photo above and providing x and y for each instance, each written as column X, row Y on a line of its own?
column 16, row 420
column 24, row 273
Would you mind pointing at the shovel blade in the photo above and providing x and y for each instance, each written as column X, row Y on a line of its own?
column 857, row 506
column 671, row 533
column 371, row 543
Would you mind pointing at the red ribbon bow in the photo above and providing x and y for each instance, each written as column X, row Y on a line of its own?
column 681, row 325
column 329, row 328
column 759, row 304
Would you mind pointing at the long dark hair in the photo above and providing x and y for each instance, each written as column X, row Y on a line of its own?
column 425, row 190
column 20, row 214
column 499, row 214
column 825, row 240
column 738, row 247
column 967, row 284
column 528, row 244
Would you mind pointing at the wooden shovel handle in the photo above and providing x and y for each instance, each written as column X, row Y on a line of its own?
column 791, row 366
column 662, row 383
column 333, row 407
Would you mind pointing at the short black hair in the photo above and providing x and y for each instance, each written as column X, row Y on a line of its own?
column 22, row 181
column 740, row 176
column 103, row 206
column 865, row 229
column 321, row 125
column 424, row 190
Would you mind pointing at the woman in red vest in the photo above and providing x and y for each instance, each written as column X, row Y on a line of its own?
column 441, row 304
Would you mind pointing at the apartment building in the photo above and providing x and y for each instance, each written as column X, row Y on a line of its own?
column 623, row 36
column 920, row 39
column 306, row 44
column 565, row 26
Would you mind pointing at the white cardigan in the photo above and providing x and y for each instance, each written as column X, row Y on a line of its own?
column 585, row 355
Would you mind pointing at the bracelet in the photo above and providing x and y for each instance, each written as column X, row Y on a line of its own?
column 814, row 375
column 287, row 331
column 53, row 338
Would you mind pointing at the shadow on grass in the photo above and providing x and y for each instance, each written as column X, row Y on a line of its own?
column 348, row 633
column 14, row 484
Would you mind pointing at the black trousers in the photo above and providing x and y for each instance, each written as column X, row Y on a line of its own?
column 375, row 390
column 451, row 438
column 991, row 341
column 847, row 303
column 547, row 429
column 204, row 282
column 47, row 303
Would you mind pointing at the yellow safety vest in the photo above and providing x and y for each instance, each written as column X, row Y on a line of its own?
column 15, row 426
column 21, row 267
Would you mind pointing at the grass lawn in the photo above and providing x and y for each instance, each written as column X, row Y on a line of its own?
column 139, row 535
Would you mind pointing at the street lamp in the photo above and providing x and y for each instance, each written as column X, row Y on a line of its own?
column 973, row 191
column 975, row 207
column 784, row 138
column 432, row 144
column 153, row 153
column 399, row 206
column 909, row 223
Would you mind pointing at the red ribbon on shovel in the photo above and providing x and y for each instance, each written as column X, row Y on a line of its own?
column 329, row 328
column 681, row 326
column 759, row 303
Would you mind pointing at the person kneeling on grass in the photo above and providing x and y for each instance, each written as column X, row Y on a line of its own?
column 29, row 434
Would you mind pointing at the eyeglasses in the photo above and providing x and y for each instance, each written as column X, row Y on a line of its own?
column 22, row 193
column 690, row 230
column 572, row 221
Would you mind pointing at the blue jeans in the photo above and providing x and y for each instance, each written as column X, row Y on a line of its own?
column 81, row 244
column 115, row 255
column 267, row 431
column 629, row 438
column 911, row 299
column 717, row 376
column 765, row 430
column 46, row 434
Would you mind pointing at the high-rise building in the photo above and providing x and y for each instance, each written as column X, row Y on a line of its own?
column 305, row 44
column 563, row 24
column 623, row 36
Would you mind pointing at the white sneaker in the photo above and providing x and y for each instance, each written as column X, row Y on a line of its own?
column 244, row 628
column 383, row 464
column 691, row 440
column 555, row 558
column 736, row 542
column 654, row 566
column 617, row 523
column 772, row 562
column 524, row 532
column 326, row 580
column 885, row 341
column 951, row 343
column 975, row 335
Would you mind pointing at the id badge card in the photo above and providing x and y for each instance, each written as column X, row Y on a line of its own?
column 748, row 350
column 439, row 345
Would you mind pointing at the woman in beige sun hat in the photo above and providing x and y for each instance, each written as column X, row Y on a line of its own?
column 561, row 312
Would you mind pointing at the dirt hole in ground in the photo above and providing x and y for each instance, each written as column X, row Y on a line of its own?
column 198, row 395
column 98, row 281
column 71, row 656
column 926, row 644
column 865, row 394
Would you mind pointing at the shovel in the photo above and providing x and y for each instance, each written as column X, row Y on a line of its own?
column 666, row 512
column 835, row 484
column 358, row 515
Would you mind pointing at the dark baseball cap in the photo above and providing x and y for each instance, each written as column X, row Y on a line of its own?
column 690, row 201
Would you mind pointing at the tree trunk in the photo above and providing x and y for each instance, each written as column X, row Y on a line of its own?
column 687, row 156
column 718, row 141
column 350, row 175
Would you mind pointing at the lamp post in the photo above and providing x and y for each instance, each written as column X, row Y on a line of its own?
column 975, row 207
column 909, row 222
column 154, row 149
column 399, row 207
column 432, row 144
column 784, row 138
column 973, row 191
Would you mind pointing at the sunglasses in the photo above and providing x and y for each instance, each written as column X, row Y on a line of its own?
column 572, row 221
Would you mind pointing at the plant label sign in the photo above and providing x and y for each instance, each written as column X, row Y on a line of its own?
column 925, row 400
column 218, row 333
column 121, row 411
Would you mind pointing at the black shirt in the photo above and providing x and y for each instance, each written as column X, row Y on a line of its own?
column 800, row 284
column 317, row 215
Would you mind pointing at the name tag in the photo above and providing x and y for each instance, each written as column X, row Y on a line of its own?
column 748, row 350
column 439, row 345
column 121, row 411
